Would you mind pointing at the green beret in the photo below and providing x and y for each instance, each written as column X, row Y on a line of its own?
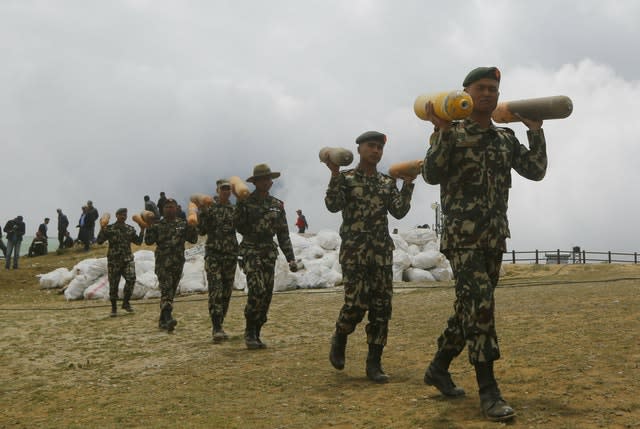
column 119, row 211
column 481, row 73
column 371, row 136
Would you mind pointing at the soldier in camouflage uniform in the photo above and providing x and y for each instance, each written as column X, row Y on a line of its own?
column 258, row 218
column 471, row 160
column 365, row 197
column 221, row 255
column 169, row 236
column 119, row 258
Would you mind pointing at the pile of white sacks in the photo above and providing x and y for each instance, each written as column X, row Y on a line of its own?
column 415, row 259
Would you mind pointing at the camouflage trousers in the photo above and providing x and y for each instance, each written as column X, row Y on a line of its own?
column 366, row 288
column 476, row 273
column 221, row 272
column 169, row 272
column 117, row 270
column 260, row 271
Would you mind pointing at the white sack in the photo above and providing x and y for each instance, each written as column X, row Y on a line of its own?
column 419, row 236
column 418, row 275
column 401, row 261
column 55, row 279
column 328, row 240
column 427, row 260
column 98, row 289
column 193, row 277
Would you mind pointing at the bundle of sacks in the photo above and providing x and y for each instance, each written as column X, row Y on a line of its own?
column 415, row 259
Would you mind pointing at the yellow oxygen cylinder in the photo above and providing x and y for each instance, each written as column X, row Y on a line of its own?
column 239, row 188
column 449, row 105
column 406, row 169
column 337, row 155
column 104, row 219
column 537, row 109
column 192, row 215
column 201, row 200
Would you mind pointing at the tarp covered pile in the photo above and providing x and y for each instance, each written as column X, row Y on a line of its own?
column 415, row 259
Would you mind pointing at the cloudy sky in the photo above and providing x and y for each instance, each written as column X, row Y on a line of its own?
column 112, row 100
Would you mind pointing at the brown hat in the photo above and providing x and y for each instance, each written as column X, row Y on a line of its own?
column 262, row 170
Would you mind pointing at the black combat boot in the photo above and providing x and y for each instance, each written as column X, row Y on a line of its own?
column 493, row 406
column 162, row 322
column 218, row 333
column 126, row 306
column 338, row 346
column 374, row 367
column 437, row 375
column 260, row 342
column 250, row 336
column 171, row 322
column 114, row 308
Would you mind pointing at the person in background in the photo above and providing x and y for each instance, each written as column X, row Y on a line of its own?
column 63, row 225
column 301, row 222
column 151, row 206
column 84, row 231
column 3, row 247
column 472, row 160
column 161, row 201
column 221, row 255
column 68, row 242
column 258, row 218
column 38, row 245
column 43, row 229
column 90, row 221
column 169, row 236
column 15, row 229
column 120, row 262
column 366, row 197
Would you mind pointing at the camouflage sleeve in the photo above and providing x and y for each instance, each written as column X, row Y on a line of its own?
column 103, row 235
column 401, row 200
column 240, row 217
column 436, row 161
column 137, row 238
column 191, row 234
column 335, row 199
column 151, row 236
column 283, row 237
column 202, row 222
column 532, row 163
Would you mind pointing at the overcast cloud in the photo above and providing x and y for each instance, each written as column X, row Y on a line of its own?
column 112, row 100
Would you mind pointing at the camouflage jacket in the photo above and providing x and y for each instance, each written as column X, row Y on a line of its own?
column 169, row 237
column 365, row 202
column 258, row 220
column 120, row 236
column 217, row 222
column 473, row 167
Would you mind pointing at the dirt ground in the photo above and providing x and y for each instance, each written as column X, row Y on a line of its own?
column 569, row 338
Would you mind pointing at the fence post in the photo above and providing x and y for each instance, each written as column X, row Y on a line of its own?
column 584, row 256
column 635, row 257
column 513, row 256
column 609, row 256
column 558, row 256
column 537, row 257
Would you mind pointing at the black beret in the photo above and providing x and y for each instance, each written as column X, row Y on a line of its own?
column 481, row 73
column 371, row 136
column 123, row 210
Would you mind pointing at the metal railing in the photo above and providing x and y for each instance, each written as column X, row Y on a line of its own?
column 568, row 257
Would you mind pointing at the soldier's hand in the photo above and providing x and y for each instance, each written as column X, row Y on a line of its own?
column 441, row 124
column 335, row 168
column 293, row 266
column 530, row 123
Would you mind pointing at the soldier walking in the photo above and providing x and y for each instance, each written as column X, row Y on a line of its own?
column 169, row 236
column 258, row 218
column 120, row 261
column 221, row 255
column 471, row 160
column 365, row 197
